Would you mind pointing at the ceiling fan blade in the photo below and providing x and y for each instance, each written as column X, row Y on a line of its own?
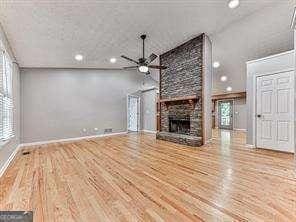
column 151, row 58
column 129, row 59
column 157, row 67
column 130, row 67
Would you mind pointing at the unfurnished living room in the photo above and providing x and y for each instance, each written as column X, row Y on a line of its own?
column 147, row 110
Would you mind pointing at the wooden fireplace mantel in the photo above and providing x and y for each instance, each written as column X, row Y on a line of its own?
column 178, row 99
column 237, row 95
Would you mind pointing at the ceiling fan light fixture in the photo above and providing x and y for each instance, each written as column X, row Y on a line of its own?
column 143, row 69
column 143, row 64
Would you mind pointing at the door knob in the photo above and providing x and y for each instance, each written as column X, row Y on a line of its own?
column 259, row 116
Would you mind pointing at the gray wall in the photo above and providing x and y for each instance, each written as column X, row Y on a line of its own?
column 9, row 147
column 60, row 103
column 240, row 114
column 148, row 110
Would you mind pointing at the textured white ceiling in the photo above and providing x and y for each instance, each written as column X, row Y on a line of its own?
column 49, row 33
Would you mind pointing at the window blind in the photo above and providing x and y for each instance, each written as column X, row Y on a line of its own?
column 6, row 101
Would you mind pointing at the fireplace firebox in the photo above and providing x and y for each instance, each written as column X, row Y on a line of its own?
column 179, row 125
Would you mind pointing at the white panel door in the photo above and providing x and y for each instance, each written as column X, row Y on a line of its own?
column 275, row 112
column 133, row 113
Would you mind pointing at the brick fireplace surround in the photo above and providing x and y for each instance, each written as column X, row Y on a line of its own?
column 181, row 92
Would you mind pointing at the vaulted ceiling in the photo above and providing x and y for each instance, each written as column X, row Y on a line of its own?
column 264, row 33
column 50, row 33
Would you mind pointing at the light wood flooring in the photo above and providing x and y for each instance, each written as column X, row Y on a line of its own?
column 137, row 178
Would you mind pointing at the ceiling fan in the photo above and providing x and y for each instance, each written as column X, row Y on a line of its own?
column 143, row 64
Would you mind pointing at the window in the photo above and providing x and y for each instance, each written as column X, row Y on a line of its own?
column 6, row 102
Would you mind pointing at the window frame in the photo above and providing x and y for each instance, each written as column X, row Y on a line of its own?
column 6, row 92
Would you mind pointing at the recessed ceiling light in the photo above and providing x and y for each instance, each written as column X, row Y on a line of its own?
column 229, row 88
column 79, row 57
column 143, row 69
column 233, row 4
column 223, row 78
column 113, row 60
column 216, row 64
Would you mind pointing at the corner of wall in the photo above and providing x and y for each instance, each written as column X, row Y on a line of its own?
column 207, row 88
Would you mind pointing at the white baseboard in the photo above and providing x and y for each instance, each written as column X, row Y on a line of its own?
column 149, row 131
column 9, row 160
column 72, row 139
column 250, row 145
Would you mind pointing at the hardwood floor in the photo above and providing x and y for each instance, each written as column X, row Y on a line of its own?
column 136, row 178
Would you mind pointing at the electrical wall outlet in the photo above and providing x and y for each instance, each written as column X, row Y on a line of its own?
column 84, row 130
column 96, row 129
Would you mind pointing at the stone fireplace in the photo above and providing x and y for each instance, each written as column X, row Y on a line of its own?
column 181, row 90
column 181, row 122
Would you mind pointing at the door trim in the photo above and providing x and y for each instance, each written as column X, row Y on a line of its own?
column 254, row 110
column 139, row 112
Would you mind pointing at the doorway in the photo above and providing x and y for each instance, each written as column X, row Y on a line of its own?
column 133, row 113
column 275, row 111
column 225, row 114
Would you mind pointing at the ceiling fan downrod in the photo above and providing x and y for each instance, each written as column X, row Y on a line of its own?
column 143, row 37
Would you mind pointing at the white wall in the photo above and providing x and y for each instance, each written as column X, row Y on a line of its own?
column 276, row 63
column 60, row 103
column 8, row 149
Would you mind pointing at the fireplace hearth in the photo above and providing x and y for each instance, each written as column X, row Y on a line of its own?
column 179, row 125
